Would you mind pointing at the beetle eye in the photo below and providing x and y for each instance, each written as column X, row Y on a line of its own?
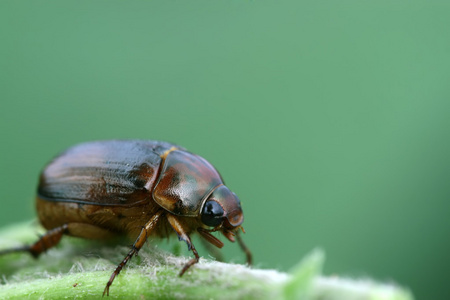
column 212, row 213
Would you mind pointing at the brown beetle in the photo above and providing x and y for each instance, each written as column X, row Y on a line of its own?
column 99, row 190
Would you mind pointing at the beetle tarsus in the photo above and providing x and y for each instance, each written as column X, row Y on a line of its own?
column 119, row 268
column 140, row 241
column 191, row 262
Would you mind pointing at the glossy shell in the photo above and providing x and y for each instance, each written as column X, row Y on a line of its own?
column 129, row 173
column 186, row 181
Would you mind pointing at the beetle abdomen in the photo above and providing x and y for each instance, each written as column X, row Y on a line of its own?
column 110, row 220
column 104, row 173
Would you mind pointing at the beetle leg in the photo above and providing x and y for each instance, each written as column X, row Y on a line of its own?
column 140, row 241
column 244, row 248
column 210, row 238
column 208, row 244
column 183, row 236
column 50, row 239
column 191, row 262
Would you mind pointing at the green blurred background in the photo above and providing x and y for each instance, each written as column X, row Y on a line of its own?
column 329, row 119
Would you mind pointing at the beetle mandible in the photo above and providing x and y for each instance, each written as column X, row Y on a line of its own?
column 136, row 188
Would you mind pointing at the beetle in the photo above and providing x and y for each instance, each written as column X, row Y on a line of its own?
column 138, row 189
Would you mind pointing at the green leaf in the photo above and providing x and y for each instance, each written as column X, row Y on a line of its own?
column 79, row 269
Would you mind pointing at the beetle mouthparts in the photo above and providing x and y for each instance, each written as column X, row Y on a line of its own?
column 229, row 235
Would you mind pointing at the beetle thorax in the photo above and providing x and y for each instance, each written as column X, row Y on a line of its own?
column 185, row 182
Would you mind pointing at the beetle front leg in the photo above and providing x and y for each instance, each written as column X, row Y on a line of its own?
column 183, row 236
column 191, row 262
column 140, row 241
column 214, row 251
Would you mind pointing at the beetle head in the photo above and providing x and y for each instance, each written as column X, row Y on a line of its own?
column 222, row 207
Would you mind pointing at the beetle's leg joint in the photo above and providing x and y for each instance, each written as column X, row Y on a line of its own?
column 46, row 241
column 136, row 250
